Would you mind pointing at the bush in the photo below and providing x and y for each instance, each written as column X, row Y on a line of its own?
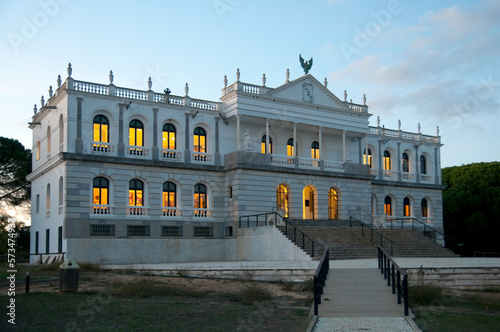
column 253, row 293
column 424, row 294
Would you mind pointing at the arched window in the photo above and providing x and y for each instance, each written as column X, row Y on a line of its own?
column 282, row 199
column 423, row 165
column 47, row 202
column 333, row 211
column 169, row 138
column 61, row 130
column 388, row 205
column 406, row 162
column 290, row 150
column 169, row 199
column 49, row 140
column 136, row 197
column 387, row 161
column 61, row 193
column 100, row 195
column 200, row 200
column 315, row 150
column 406, row 207
column 136, row 137
column 367, row 159
column 263, row 145
column 425, row 208
column 200, row 144
column 101, row 133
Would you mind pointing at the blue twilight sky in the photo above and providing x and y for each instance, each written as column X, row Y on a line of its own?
column 430, row 62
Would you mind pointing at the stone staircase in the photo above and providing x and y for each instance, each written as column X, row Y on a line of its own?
column 347, row 242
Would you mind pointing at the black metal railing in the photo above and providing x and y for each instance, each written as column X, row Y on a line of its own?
column 449, row 242
column 382, row 238
column 296, row 235
column 51, row 257
column 396, row 277
column 320, row 278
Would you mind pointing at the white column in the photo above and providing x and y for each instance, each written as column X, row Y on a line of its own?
column 295, row 139
column 238, row 132
column 267, row 136
column 343, row 146
column 366, row 149
column 320, row 129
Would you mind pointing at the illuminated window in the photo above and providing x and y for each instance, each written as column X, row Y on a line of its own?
column 200, row 200
column 406, row 207
column 282, row 199
column 290, row 151
column 169, row 199
column 333, row 211
column 38, row 150
column 425, row 209
column 169, row 139
column 100, row 195
column 263, row 145
column 101, row 133
column 49, row 140
column 423, row 165
column 200, row 141
column 406, row 162
column 47, row 202
column 136, row 197
column 367, row 159
column 136, row 137
column 388, row 205
column 387, row 161
column 315, row 150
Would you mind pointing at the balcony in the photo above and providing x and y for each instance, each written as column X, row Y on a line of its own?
column 171, row 155
column 99, row 210
column 168, row 212
column 101, row 148
column 202, row 158
column 137, row 151
column 138, row 211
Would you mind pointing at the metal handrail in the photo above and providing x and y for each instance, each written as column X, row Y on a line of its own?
column 297, row 233
column 381, row 236
column 414, row 220
column 320, row 277
column 393, row 273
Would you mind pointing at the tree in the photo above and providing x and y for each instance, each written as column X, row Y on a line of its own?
column 471, row 204
column 15, row 165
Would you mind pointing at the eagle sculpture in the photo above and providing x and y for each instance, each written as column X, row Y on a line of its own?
column 306, row 65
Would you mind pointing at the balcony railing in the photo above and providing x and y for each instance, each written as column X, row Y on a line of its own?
column 404, row 135
column 408, row 176
column 171, row 155
column 101, row 148
column 97, row 209
column 171, row 211
column 309, row 163
column 138, row 211
column 425, row 178
column 390, row 175
column 285, row 161
column 202, row 213
column 203, row 158
column 138, row 151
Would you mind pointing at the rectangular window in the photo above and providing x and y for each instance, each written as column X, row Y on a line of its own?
column 169, row 140
column 171, row 231
column 137, row 230
column 37, row 204
column 203, row 231
column 47, row 241
column 102, row 230
column 37, row 241
column 60, row 239
column 38, row 150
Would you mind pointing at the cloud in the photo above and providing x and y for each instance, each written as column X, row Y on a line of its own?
column 439, row 70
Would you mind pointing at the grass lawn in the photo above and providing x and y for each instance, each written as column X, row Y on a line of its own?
column 455, row 311
column 141, row 303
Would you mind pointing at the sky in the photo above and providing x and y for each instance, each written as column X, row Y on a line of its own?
column 430, row 62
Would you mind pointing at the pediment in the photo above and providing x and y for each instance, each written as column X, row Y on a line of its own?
column 309, row 90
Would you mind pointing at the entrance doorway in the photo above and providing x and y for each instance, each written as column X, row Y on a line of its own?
column 308, row 206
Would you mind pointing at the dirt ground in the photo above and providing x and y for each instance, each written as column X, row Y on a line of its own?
column 287, row 293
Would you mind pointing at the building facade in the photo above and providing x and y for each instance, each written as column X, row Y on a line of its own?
column 134, row 176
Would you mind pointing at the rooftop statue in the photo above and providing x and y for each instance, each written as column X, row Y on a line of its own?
column 306, row 65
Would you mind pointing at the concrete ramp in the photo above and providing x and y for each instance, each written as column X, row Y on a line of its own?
column 358, row 293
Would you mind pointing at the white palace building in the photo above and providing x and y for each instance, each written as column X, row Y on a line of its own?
column 125, row 176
